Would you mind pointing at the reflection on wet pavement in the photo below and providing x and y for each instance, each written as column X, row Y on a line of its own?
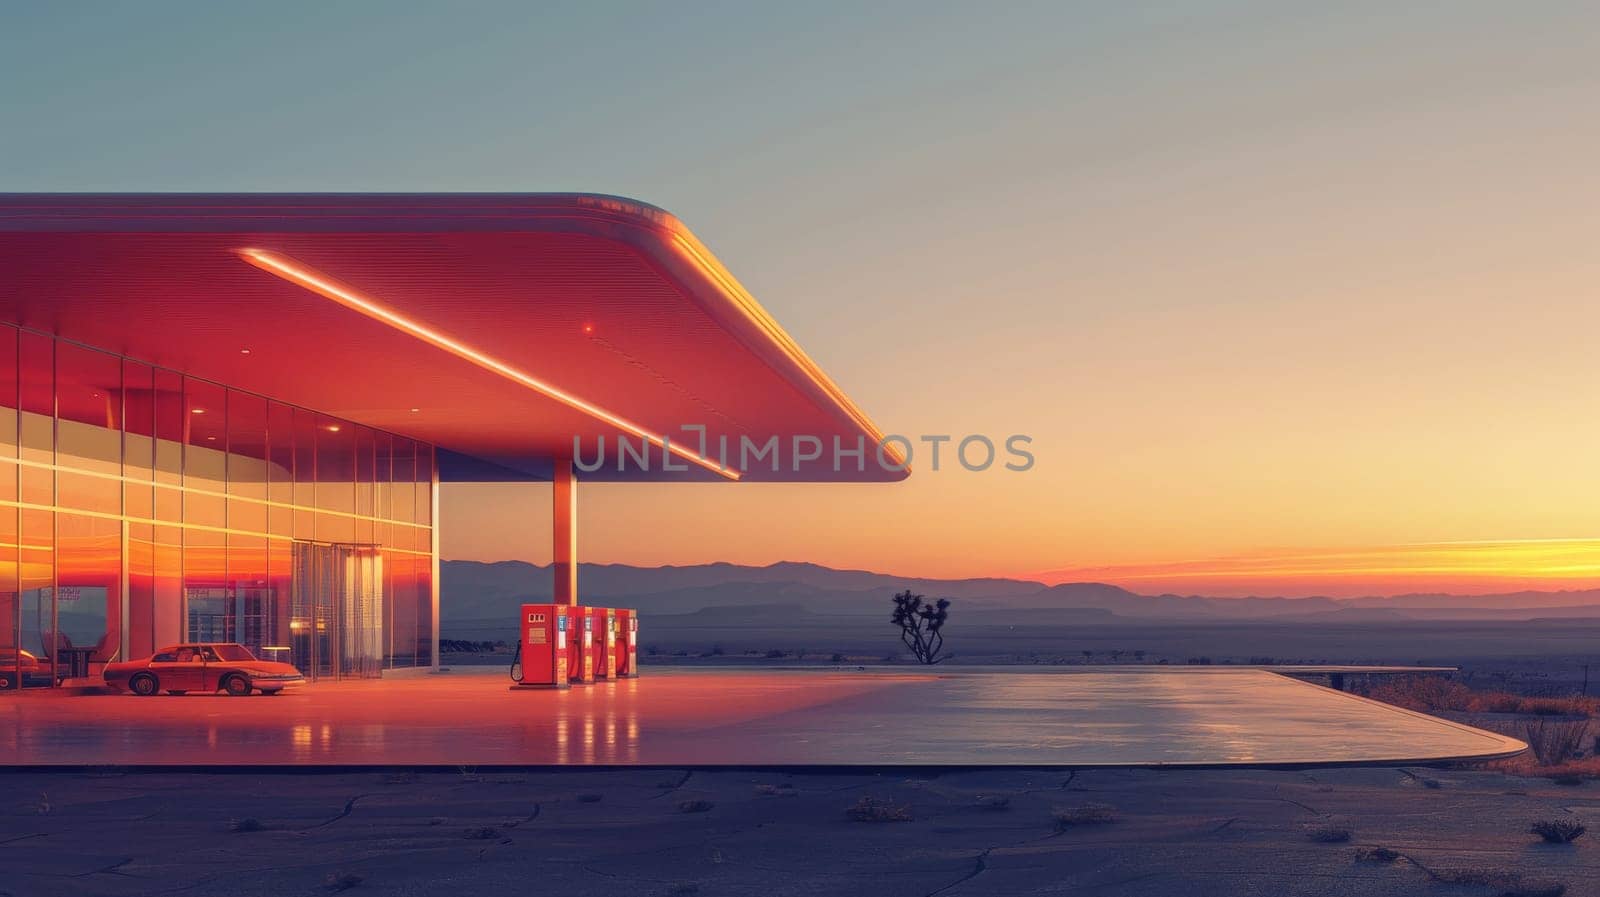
column 1128, row 716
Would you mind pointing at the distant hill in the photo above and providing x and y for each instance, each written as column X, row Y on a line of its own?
column 478, row 596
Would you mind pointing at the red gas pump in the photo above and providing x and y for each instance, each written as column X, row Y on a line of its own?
column 541, row 660
column 605, row 636
column 581, row 647
column 627, row 643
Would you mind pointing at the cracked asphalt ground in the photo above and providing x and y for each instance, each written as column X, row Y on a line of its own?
column 1456, row 832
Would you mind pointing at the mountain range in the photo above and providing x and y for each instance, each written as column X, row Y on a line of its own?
column 474, row 593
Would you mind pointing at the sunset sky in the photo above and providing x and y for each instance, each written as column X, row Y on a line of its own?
column 1291, row 299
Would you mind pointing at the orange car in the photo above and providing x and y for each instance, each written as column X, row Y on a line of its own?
column 15, row 662
column 202, row 667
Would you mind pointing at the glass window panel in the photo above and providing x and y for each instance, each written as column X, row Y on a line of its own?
column 168, row 553
column 8, row 394
column 88, row 429
column 247, row 445
column 403, row 477
column 424, row 511
column 10, row 606
column 336, row 466
column 254, row 604
column 335, row 527
column 403, row 631
column 36, row 377
column 206, row 600
column 171, row 421
column 424, row 578
column 305, row 466
column 36, row 584
column 382, row 473
column 138, row 439
column 278, row 640
column 365, row 441
column 88, row 584
column 280, row 441
column 205, row 466
column 141, row 562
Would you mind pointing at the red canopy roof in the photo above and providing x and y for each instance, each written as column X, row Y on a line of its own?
column 510, row 323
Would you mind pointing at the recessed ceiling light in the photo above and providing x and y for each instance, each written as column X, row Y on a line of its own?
column 244, row 351
column 333, row 428
column 415, row 410
column 211, row 439
column 197, row 411
column 588, row 328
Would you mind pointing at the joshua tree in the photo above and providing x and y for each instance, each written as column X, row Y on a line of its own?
column 921, row 625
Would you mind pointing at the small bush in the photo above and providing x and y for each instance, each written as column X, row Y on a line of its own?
column 1554, row 742
column 993, row 802
column 246, row 825
column 1377, row 855
column 784, row 789
column 870, row 809
column 1558, row 831
column 684, row 889
column 1084, row 814
column 342, row 881
column 481, row 833
column 405, row 777
column 588, row 798
column 695, row 806
column 1329, row 834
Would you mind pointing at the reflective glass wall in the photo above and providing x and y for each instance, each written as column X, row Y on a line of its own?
column 140, row 508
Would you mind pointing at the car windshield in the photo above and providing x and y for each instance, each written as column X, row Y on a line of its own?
column 235, row 652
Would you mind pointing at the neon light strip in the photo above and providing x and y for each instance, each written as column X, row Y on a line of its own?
column 702, row 258
column 170, row 524
column 209, row 493
column 301, row 275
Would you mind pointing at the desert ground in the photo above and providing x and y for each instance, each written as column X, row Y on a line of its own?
column 665, row 831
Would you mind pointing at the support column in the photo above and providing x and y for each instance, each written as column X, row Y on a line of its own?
column 433, row 551
column 564, row 563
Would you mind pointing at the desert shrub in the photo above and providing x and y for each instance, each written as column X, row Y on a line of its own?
column 775, row 653
column 403, row 777
column 1377, row 855
column 695, row 806
column 246, row 825
column 870, row 809
column 341, row 881
column 1083, row 814
column 1329, row 834
column 1424, row 693
column 481, row 833
column 588, row 798
column 993, row 802
column 1555, row 742
column 785, row 789
column 1558, row 831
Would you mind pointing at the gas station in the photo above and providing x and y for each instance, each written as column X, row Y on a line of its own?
column 227, row 418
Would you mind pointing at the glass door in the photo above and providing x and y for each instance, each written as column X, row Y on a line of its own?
column 336, row 624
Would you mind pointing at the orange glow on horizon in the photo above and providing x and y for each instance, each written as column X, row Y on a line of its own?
column 304, row 276
column 1473, row 567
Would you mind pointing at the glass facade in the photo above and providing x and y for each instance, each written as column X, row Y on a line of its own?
column 140, row 507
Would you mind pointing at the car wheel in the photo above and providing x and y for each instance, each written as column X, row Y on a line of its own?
column 144, row 684
column 236, row 685
column 5, row 681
